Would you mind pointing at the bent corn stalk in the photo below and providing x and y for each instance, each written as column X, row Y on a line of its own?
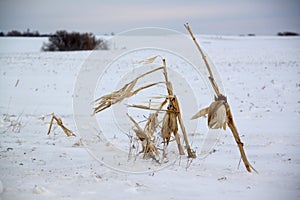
column 219, row 96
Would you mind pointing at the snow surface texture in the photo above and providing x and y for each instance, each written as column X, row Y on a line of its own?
column 260, row 76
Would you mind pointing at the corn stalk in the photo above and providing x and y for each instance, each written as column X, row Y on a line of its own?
column 220, row 97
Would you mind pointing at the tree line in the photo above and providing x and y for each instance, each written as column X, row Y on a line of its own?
column 27, row 33
column 74, row 41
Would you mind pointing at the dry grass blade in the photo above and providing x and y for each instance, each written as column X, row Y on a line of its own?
column 126, row 91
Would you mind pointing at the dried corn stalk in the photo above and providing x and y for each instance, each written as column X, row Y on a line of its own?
column 172, row 115
column 219, row 113
column 170, row 121
column 59, row 122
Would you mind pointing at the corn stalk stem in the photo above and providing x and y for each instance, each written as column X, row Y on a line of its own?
column 51, row 122
column 236, row 136
column 230, row 121
column 211, row 76
column 191, row 154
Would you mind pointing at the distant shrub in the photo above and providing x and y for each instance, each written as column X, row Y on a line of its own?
column 287, row 34
column 64, row 41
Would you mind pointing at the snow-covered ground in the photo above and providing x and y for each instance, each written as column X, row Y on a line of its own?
column 261, row 76
column 21, row 44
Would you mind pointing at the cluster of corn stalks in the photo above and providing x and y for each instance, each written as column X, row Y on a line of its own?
column 219, row 113
column 172, row 118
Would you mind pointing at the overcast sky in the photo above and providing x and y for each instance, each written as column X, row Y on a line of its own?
column 105, row 16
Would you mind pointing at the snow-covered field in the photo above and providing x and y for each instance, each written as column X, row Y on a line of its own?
column 261, row 76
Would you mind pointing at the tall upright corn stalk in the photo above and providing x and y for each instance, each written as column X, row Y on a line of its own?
column 219, row 112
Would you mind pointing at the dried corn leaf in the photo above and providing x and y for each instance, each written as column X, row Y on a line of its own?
column 126, row 91
column 147, row 61
column 217, row 116
column 201, row 113
column 138, row 130
column 148, row 145
column 148, row 108
column 151, row 124
column 169, row 125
